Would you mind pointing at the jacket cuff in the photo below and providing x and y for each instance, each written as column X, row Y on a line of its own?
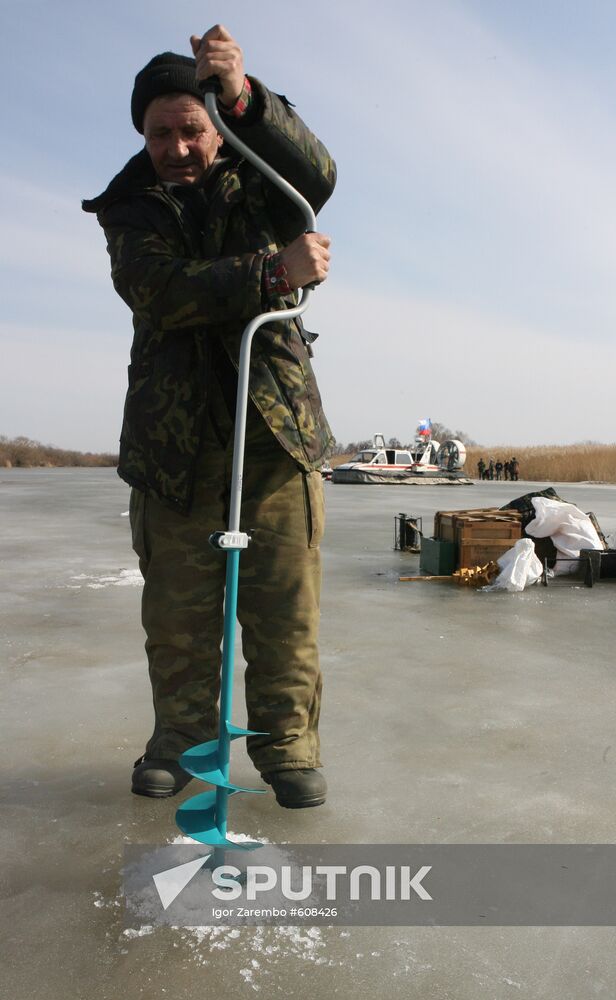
column 274, row 279
column 242, row 105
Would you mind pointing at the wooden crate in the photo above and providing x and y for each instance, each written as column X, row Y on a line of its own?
column 479, row 541
column 480, row 536
column 446, row 521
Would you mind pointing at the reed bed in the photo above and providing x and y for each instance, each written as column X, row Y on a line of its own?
column 574, row 463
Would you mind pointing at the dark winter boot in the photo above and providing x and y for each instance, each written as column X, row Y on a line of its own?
column 297, row 789
column 158, row 778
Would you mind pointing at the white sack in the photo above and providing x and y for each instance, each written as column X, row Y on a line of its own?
column 519, row 566
column 569, row 528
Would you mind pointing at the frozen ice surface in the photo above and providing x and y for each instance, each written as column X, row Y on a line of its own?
column 500, row 731
column 123, row 578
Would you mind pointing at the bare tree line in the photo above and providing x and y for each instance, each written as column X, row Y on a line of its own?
column 22, row 452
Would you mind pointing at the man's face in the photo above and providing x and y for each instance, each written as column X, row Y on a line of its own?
column 180, row 138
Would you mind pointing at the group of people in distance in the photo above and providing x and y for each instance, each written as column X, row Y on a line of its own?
column 495, row 470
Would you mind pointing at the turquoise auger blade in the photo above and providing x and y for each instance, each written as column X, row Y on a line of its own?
column 203, row 762
column 197, row 819
column 236, row 731
column 204, row 817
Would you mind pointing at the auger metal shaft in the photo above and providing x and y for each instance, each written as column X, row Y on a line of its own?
column 226, row 685
column 211, row 761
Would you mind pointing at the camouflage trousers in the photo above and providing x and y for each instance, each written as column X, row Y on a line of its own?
column 278, row 600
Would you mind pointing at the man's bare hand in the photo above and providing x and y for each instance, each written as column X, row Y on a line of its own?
column 306, row 259
column 218, row 54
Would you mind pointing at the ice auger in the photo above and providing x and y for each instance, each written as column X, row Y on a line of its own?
column 204, row 817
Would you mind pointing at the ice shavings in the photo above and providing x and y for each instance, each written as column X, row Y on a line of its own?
column 273, row 944
column 237, row 838
column 133, row 932
column 261, row 947
column 248, row 977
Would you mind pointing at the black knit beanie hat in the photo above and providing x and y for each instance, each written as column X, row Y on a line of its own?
column 164, row 74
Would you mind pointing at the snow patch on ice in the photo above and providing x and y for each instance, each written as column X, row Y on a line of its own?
column 124, row 578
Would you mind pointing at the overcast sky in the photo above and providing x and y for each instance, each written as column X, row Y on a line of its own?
column 473, row 226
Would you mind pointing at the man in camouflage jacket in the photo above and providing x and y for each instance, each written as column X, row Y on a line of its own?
column 199, row 244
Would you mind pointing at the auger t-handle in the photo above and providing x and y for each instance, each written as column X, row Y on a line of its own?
column 210, row 88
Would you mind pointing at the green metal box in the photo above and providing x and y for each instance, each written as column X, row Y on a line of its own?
column 437, row 557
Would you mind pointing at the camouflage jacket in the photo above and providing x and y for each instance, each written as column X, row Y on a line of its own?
column 187, row 283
